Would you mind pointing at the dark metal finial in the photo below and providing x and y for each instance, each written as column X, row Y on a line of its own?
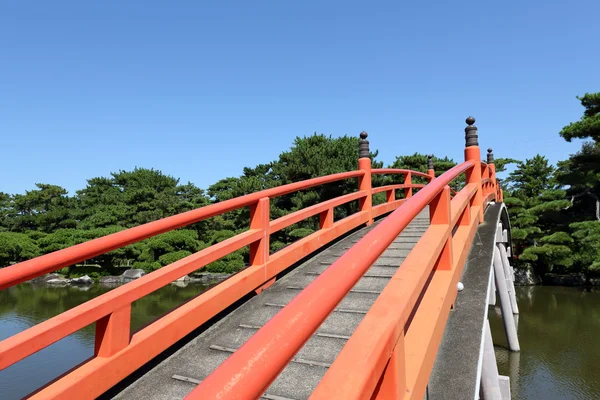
column 363, row 145
column 490, row 156
column 471, row 133
column 430, row 161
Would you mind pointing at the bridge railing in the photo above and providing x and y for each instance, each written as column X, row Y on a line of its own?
column 391, row 353
column 117, row 351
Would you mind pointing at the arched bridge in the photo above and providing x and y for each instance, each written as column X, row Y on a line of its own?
column 387, row 303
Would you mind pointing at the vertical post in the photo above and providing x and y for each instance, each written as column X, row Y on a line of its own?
column 393, row 381
column 492, row 291
column 510, row 284
column 364, row 182
column 490, row 161
column 439, row 214
column 430, row 170
column 408, row 181
column 473, row 154
column 326, row 218
column 259, row 219
column 259, row 250
column 112, row 332
column 390, row 196
column 507, row 316
column 490, row 386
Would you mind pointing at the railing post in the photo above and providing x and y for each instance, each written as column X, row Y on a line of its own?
column 259, row 219
column 326, row 218
column 440, row 214
column 390, row 196
column 113, row 332
column 490, row 161
column 364, row 182
column 473, row 154
column 259, row 250
column 430, row 170
column 408, row 192
column 392, row 384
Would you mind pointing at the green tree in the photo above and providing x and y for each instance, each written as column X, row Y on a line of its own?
column 15, row 247
column 46, row 208
column 582, row 170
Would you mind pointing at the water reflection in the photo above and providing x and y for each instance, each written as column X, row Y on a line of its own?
column 26, row 305
column 560, row 351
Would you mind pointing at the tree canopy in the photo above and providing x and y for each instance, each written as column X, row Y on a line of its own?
column 555, row 212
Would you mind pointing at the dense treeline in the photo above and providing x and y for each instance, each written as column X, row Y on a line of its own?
column 553, row 208
column 48, row 219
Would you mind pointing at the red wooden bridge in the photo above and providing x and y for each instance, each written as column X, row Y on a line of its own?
column 360, row 309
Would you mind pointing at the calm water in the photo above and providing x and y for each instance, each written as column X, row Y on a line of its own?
column 26, row 305
column 559, row 334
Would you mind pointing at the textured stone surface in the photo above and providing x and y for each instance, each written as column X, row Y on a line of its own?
column 58, row 281
column 198, row 358
column 110, row 279
column 46, row 278
column 133, row 274
column 208, row 277
column 526, row 277
column 82, row 280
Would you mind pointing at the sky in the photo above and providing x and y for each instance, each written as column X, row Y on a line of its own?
column 200, row 90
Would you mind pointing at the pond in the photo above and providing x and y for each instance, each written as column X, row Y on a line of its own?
column 559, row 334
column 26, row 305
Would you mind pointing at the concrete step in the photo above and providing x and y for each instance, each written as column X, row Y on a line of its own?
column 197, row 359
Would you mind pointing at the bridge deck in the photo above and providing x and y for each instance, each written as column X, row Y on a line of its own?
column 177, row 375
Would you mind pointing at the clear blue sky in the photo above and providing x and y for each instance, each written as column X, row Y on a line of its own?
column 201, row 90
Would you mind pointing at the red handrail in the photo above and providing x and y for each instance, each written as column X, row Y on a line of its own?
column 249, row 371
column 118, row 353
column 115, row 348
column 384, row 171
column 35, row 267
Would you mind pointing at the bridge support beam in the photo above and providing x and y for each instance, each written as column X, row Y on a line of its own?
column 509, row 278
column 492, row 294
column 490, row 385
column 505, row 305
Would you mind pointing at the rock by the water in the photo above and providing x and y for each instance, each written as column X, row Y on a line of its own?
column 181, row 282
column 58, row 281
column 595, row 281
column 46, row 278
column 133, row 274
column 208, row 277
column 110, row 279
column 82, row 280
column 574, row 279
column 526, row 277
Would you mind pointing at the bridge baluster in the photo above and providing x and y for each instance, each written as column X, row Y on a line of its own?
column 390, row 195
column 259, row 250
column 326, row 218
column 430, row 170
column 440, row 214
column 259, row 219
column 473, row 154
column 392, row 384
column 408, row 192
column 364, row 182
column 113, row 332
column 490, row 161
